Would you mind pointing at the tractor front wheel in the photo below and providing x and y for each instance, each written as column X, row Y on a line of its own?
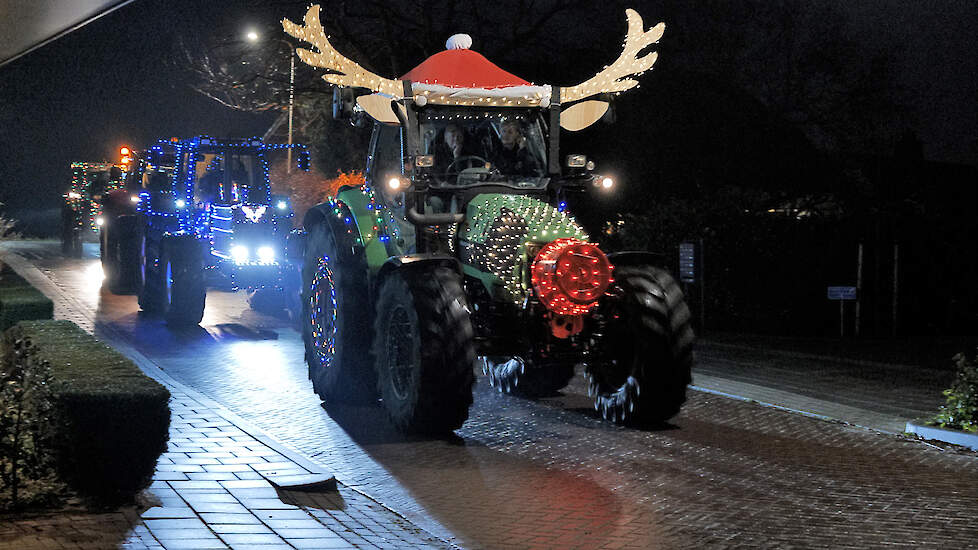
column 424, row 349
column 646, row 353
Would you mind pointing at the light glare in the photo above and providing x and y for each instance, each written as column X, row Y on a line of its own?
column 239, row 253
column 266, row 254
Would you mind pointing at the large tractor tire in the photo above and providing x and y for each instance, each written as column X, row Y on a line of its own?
column 424, row 349
column 71, row 245
column 121, row 254
column 516, row 376
column 647, row 350
column 71, row 242
column 152, row 293
column 184, row 282
column 336, row 316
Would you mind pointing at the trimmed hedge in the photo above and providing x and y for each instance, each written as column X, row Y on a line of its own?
column 20, row 301
column 111, row 421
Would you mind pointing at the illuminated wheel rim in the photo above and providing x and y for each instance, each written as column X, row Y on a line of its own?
column 400, row 352
column 322, row 313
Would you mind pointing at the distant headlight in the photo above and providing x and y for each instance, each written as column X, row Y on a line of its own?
column 266, row 254
column 180, row 203
column 135, row 198
column 100, row 221
column 74, row 195
column 239, row 253
column 282, row 205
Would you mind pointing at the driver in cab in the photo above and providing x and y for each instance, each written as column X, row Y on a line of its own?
column 453, row 153
column 513, row 158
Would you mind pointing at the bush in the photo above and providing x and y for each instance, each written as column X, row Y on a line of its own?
column 960, row 411
column 110, row 421
column 20, row 301
column 26, row 405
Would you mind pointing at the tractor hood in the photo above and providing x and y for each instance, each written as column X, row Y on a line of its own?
column 501, row 231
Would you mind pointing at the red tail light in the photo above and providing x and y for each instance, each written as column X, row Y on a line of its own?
column 570, row 275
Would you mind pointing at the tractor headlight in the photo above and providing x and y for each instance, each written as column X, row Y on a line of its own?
column 239, row 253
column 398, row 184
column 266, row 254
column 604, row 183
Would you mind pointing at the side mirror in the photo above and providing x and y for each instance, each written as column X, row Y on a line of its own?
column 343, row 102
column 303, row 160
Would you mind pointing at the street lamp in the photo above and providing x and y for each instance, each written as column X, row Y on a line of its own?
column 253, row 36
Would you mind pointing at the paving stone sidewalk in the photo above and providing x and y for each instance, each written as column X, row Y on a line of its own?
column 213, row 488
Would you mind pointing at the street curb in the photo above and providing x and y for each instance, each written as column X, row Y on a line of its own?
column 803, row 355
column 955, row 437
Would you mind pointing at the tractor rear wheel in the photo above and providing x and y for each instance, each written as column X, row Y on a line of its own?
column 184, row 284
column 120, row 242
column 647, row 350
column 336, row 317
column 424, row 349
column 151, row 293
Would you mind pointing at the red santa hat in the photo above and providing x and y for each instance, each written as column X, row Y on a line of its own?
column 461, row 73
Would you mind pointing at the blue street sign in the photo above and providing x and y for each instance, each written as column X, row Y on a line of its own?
column 842, row 293
column 687, row 263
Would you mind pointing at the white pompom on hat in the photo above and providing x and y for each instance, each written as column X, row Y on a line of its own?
column 458, row 42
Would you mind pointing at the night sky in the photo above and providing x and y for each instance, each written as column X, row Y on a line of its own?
column 116, row 81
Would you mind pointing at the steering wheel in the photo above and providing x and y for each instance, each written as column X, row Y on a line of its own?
column 472, row 160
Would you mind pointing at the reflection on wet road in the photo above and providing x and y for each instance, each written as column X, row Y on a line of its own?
column 549, row 473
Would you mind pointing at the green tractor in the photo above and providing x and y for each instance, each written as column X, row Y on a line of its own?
column 458, row 250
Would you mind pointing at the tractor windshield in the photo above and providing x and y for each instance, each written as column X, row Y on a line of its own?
column 476, row 146
column 228, row 177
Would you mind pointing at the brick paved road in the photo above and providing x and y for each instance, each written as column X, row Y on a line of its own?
column 548, row 474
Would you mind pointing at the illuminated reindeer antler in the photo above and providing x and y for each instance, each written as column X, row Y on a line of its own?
column 614, row 78
column 346, row 72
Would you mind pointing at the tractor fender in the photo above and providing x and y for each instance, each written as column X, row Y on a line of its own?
column 415, row 261
column 326, row 212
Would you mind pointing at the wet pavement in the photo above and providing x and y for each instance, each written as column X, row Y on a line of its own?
column 551, row 474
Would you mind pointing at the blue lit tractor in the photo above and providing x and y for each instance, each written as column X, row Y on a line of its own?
column 460, row 249
column 203, row 214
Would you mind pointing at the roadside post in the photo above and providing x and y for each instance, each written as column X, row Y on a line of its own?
column 842, row 294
